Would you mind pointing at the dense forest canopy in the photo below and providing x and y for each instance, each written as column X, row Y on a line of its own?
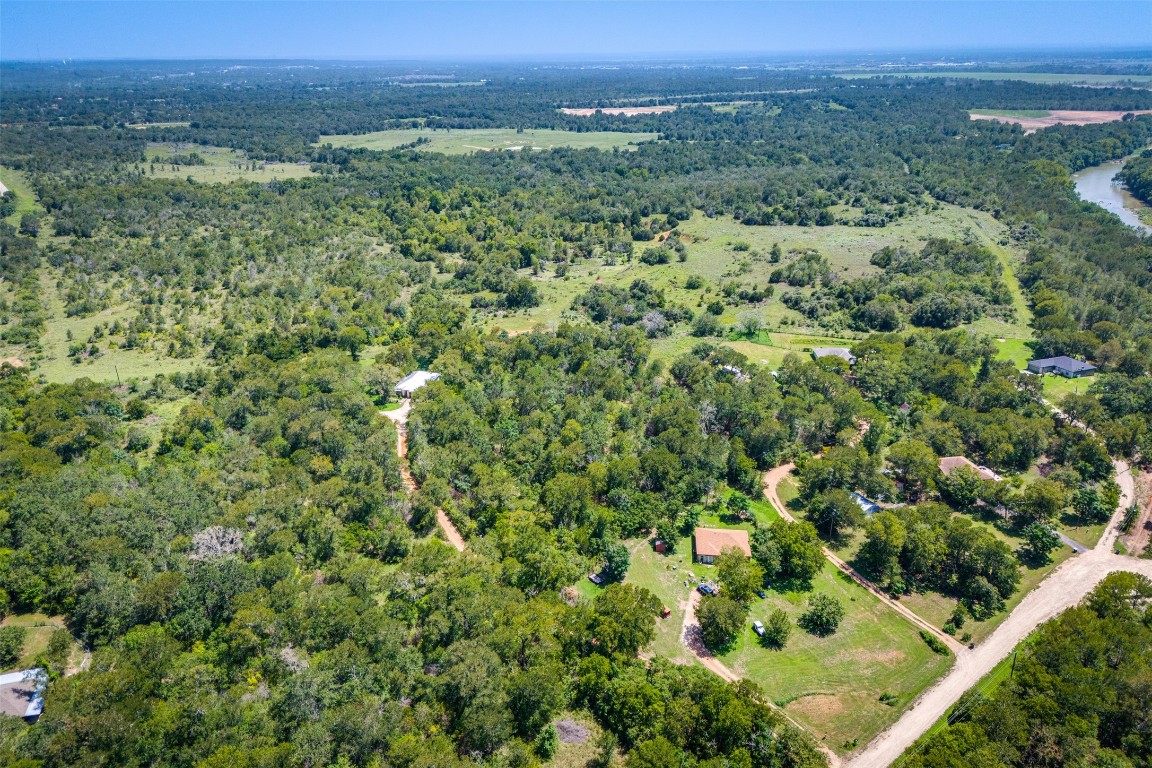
column 232, row 534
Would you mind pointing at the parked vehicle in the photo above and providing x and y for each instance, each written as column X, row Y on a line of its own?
column 758, row 628
column 761, row 594
column 704, row 589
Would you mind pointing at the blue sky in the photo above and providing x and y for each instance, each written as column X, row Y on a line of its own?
column 32, row 30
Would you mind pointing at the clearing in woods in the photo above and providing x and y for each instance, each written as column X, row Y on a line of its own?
column 221, row 165
column 463, row 141
column 723, row 250
column 625, row 111
column 1033, row 120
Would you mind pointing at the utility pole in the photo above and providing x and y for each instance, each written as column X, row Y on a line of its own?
column 117, row 369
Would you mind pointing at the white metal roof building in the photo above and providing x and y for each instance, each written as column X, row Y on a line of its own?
column 414, row 381
column 22, row 693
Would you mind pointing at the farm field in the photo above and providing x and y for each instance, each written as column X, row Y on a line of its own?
column 223, row 165
column 1034, row 122
column 1043, row 78
column 463, row 141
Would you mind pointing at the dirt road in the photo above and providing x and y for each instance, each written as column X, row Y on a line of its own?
column 1064, row 588
column 399, row 417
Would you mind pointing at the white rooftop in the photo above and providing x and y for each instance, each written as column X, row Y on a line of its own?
column 415, row 380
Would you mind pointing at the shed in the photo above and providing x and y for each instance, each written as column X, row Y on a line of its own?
column 840, row 352
column 949, row 463
column 414, row 381
column 22, row 693
column 1068, row 367
column 708, row 543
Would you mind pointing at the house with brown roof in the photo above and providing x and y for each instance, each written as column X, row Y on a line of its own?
column 708, row 543
column 949, row 463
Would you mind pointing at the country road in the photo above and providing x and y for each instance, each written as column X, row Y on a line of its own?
column 399, row 417
column 1064, row 588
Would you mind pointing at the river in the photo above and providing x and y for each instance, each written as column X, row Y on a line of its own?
column 1097, row 185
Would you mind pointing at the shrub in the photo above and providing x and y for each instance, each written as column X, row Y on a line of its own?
column 934, row 642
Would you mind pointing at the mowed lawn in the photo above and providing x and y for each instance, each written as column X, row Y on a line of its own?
column 830, row 685
column 463, row 141
column 222, row 165
column 38, row 631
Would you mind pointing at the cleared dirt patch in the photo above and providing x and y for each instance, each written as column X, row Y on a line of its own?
column 1060, row 117
column 625, row 111
column 571, row 732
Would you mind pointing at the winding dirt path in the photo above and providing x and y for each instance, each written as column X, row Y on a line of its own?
column 772, row 480
column 399, row 417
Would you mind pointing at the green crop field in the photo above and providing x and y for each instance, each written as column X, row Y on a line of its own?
column 465, row 141
column 832, row 685
column 1028, row 77
column 222, row 165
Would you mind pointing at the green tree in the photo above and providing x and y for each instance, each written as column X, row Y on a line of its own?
column 11, row 645
column 739, row 577
column 823, row 615
column 1041, row 502
column 916, row 464
column 777, row 629
column 616, row 561
column 834, row 512
column 624, row 619
column 1039, row 541
column 720, row 619
column 801, row 554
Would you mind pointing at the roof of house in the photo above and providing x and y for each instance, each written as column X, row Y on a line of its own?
column 1063, row 362
column 840, row 352
column 416, row 379
column 865, row 503
column 713, row 541
column 949, row 463
column 22, row 693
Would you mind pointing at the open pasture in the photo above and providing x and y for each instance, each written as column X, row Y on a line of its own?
column 463, row 141
column 221, row 165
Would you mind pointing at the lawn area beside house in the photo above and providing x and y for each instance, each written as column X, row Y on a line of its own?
column 832, row 685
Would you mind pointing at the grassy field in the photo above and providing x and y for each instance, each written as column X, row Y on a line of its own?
column 832, row 685
column 1028, row 77
column 25, row 197
column 223, row 165
column 722, row 250
column 111, row 365
column 462, row 141
column 39, row 629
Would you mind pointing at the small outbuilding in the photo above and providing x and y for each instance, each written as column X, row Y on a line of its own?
column 22, row 693
column 840, row 352
column 413, row 382
column 709, row 543
column 949, row 463
column 1068, row 367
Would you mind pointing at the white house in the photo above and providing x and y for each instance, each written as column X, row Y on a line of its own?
column 413, row 382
